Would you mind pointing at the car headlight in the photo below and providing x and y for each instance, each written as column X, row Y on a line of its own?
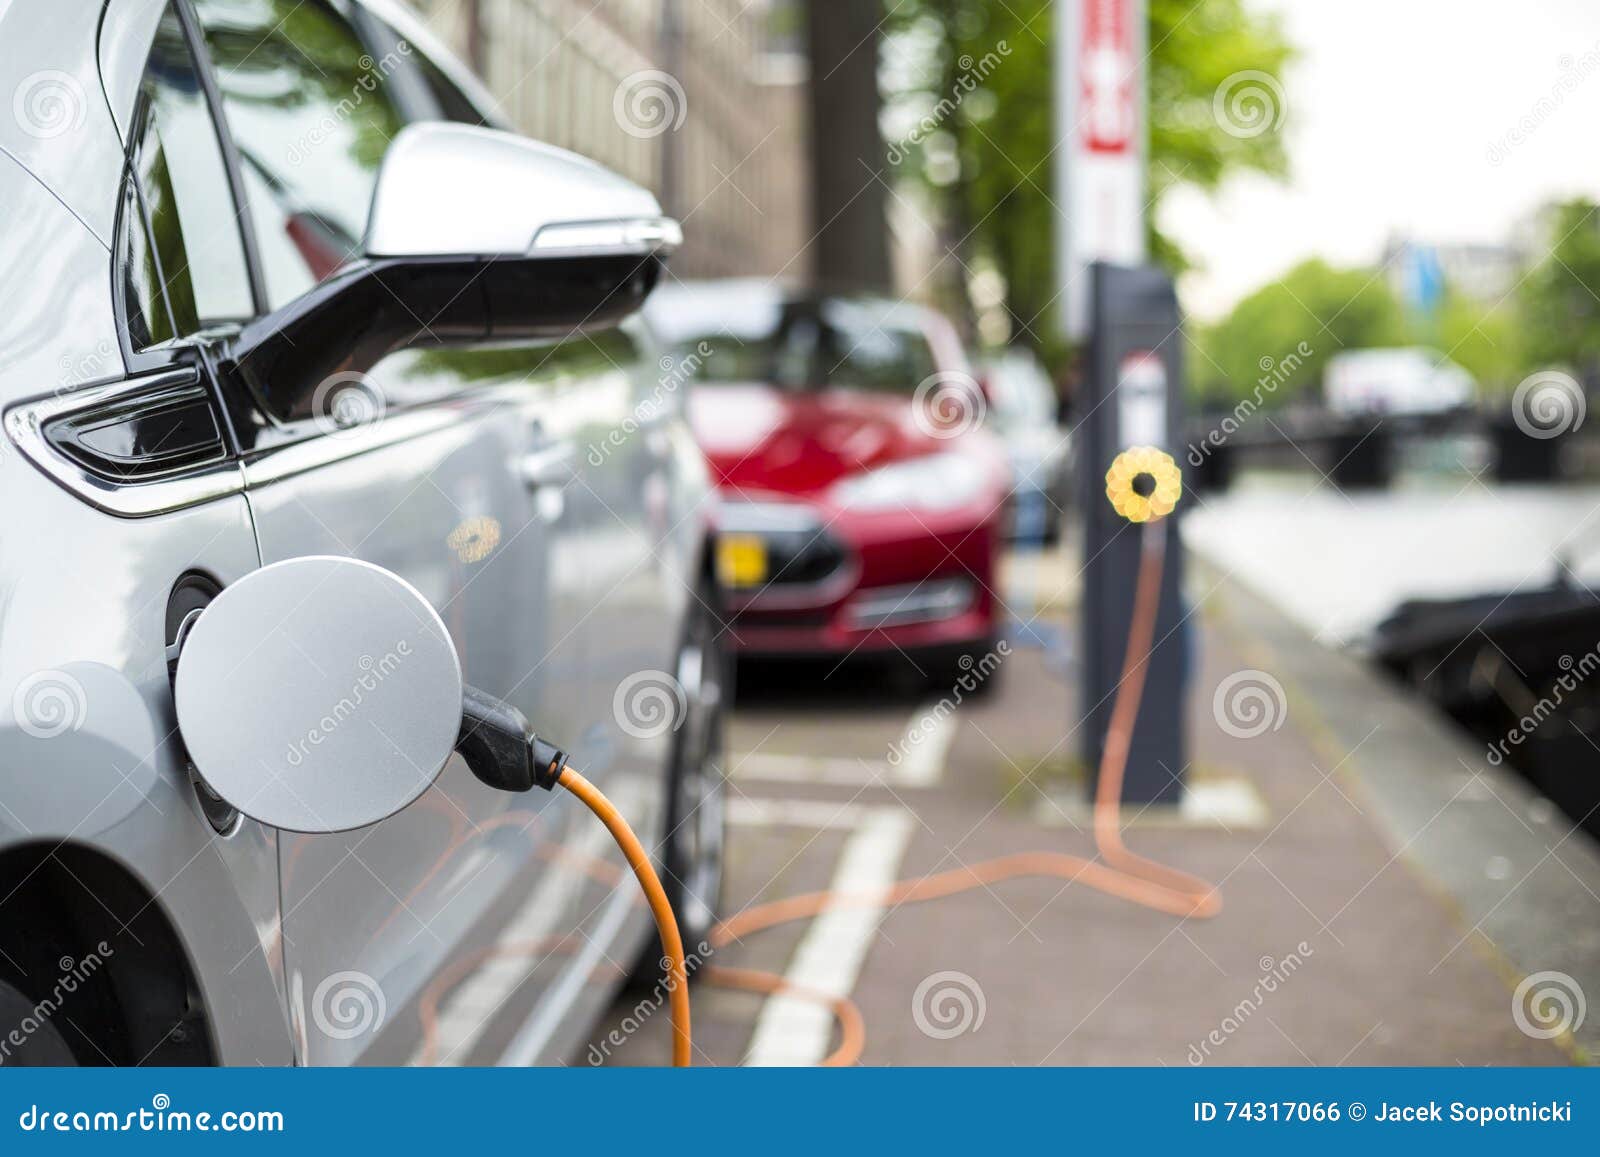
column 933, row 482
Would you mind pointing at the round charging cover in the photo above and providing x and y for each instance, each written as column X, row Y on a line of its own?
column 319, row 694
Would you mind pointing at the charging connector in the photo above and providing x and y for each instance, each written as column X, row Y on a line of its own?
column 504, row 753
column 500, row 747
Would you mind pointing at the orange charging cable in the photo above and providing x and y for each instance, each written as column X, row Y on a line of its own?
column 666, row 923
column 1119, row 872
column 1122, row 873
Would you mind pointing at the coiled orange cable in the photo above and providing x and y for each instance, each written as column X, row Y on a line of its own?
column 1123, row 873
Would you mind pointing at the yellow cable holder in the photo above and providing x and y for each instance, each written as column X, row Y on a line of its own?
column 1152, row 499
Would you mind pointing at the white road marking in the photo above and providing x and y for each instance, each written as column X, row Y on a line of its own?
column 925, row 743
column 794, row 813
column 915, row 758
column 790, row 1031
column 1229, row 802
column 777, row 767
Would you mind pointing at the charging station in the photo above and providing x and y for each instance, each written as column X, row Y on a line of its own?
column 1131, row 396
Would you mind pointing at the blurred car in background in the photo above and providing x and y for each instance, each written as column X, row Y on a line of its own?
column 1023, row 410
column 862, row 501
column 1409, row 380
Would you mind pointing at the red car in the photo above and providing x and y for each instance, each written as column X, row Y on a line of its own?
column 862, row 502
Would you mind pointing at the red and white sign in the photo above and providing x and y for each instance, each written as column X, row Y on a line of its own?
column 1108, row 107
column 1099, row 157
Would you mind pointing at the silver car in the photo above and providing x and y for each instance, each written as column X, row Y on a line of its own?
column 275, row 285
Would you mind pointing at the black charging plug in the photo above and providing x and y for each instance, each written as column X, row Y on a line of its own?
column 500, row 747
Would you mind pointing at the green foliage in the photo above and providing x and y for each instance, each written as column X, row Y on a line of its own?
column 1559, row 306
column 1197, row 47
column 1551, row 320
column 1290, row 328
column 984, row 156
column 1485, row 339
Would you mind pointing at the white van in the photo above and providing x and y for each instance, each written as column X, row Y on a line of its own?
column 1410, row 380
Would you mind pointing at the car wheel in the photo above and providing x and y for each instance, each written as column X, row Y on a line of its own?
column 41, row 1047
column 972, row 671
column 696, row 813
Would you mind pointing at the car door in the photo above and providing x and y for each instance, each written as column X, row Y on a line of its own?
column 603, row 408
column 429, row 464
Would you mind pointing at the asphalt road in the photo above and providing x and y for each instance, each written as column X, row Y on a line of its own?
column 1331, row 948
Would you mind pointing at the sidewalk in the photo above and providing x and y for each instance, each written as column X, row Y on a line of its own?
column 1348, row 931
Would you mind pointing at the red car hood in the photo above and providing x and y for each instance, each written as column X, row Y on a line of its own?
column 759, row 437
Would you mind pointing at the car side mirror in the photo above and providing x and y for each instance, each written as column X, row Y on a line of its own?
column 474, row 235
column 319, row 694
column 447, row 191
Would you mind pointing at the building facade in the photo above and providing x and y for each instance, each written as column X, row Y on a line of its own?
column 702, row 101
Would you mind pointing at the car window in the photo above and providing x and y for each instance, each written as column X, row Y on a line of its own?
column 145, row 313
column 808, row 345
column 864, row 350
column 193, row 249
column 311, row 116
column 454, row 104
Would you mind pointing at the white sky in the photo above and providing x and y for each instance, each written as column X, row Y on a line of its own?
column 1392, row 109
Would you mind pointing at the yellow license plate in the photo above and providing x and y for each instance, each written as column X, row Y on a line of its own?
column 741, row 560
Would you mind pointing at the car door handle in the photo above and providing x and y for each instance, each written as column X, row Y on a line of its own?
column 549, row 465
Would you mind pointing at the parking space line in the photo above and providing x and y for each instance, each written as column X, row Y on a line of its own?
column 924, row 744
column 915, row 759
column 795, row 813
column 830, row 956
column 777, row 767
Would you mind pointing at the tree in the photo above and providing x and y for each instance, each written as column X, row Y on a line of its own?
column 1286, row 331
column 1484, row 338
column 970, row 121
column 1560, row 310
column 848, row 206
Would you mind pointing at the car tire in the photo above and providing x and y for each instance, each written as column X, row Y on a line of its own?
column 968, row 664
column 43, row 1047
column 693, row 857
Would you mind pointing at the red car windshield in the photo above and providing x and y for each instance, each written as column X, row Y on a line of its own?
column 809, row 345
